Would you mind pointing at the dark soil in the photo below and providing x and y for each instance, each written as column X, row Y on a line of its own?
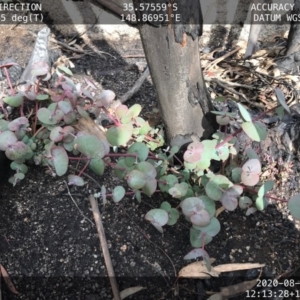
column 50, row 247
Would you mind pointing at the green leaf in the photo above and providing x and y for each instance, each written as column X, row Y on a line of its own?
column 118, row 193
column 245, row 114
column 158, row 218
column 261, row 203
column 16, row 151
column 197, row 239
column 236, row 174
column 212, row 229
column 170, row 179
column 65, row 70
column 173, row 216
column 14, row 101
column 210, row 205
column 256, row 131
column 138, row 196
column 216, row 186
column 166, row 206
column 19, row 167
column 97, row 165
column 136, row 179
column 42, row 97
column 150, row 186
column 294, row 206
column 119, row 135
column 65, row 106
column 82, row 112
column 147, row 169
column 60, row 160
column 47, row 117
column 75, row 180
column 140, row 149
column 245, row 202
column 7, row 138
column 56, row 134
column 281, row 99
column 179, row 190
column 90, row 146
column 265, row 188
column 135, row 110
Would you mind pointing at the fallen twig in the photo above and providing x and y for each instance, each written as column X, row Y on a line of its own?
column 133, row 55
column 135, row 87
column 81, row 212
column 104, row 247
column 215, row 62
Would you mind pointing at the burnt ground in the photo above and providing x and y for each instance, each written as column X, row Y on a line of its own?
column 51, row 250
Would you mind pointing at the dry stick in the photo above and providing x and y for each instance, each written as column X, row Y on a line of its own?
column 65, row 45
column 233, row 84
column 103, row 243
column 133, row 55
column 215, row 62
column 71, row 48
column 135, row 87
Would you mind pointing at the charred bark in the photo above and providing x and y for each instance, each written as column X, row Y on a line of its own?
column 291, row 62
column 172, row 53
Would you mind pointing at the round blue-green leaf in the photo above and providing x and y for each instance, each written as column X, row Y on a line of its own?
column 45, row 116
column 42, row 97
column 173, row 216
column 119, row 135
column 158, row 218
column 82, row 112
column 7, row 138
column 170, row 180
column 236, row 174
column 210, row 205
column 60, row 160
column 166, row 206
column 90, row 146
column 244, row 202
column 294, row 206
column 97, row 165
column 16, row 151
column 56, row 134
column 75, row 180
column 147, row 169
column 19, row 167
column 216, row 185
column 212, row 229
column 140, row 149
column 150, row 186
column 65, row 106
column 191, row 206
column 197, row 239
column 14, row 101
column 118, row 193
column 3, row 125
column 136, row 179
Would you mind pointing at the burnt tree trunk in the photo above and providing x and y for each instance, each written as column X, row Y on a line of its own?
column 172, row 53
column 291, row 61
